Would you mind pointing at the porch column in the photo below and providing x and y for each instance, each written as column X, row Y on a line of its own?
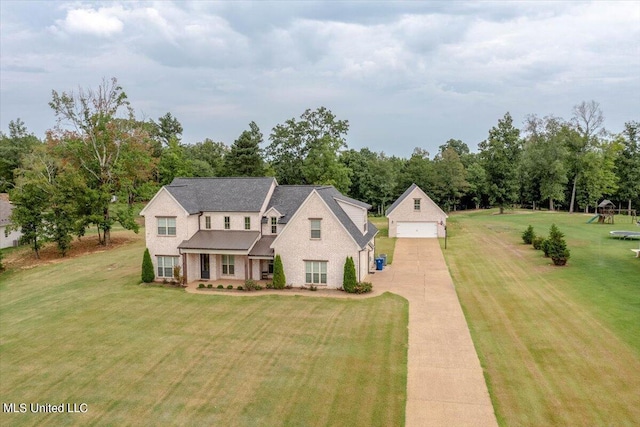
column 184, row 269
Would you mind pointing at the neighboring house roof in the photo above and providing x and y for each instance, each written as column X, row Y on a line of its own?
column 5, row 212
column 406, row 194
column 232, row 240
column 238, row 194
column 262, row 248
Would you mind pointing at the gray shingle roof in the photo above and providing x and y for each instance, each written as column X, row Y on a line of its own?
column 238, row 194
column 262, row 248
column 329, row 194
column 287, row 199
column 232, row 240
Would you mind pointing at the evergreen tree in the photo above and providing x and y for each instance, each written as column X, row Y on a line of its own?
column 245, row 157
column 147, row 268
column 279, row 279
column 349, row 280
column 500, row 155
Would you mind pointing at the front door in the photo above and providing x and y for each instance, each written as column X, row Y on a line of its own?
column 205, row 272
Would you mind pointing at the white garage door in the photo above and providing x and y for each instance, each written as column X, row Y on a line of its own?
column 417, row 229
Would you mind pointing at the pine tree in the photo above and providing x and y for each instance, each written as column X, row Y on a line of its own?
column 147, row 268
column 279, row 279
column 245, row 158
column 349, row 280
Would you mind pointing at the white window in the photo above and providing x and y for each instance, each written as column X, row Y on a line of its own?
column 228, row 265
column 247, row 223
column 227, row 222
column 274, row 225
column 165, row 265
column 416, row 204
column 207, row 222
column 166, row 226
column 315, row 229
column 316, row 272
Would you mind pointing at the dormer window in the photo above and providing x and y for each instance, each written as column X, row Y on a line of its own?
column 416, row 204
column 227, row 222
column 274, row 225
column 207, row 222
column 247, row 223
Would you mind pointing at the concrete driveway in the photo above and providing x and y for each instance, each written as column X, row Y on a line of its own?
column 445, row 384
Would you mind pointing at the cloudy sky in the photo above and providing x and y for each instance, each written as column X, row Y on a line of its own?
column 405, row 74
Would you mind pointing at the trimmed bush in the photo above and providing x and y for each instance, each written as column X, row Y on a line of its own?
column 537, row 243
column 528, row 235
column 147, row 268
column 209, row 286
column 230, row 287
column 363, row 288
column 201, row 285
column 349, row 280
column 269, row 285
column 279, row 279
column 240, row 288
column 220, row 287
column 250, row 285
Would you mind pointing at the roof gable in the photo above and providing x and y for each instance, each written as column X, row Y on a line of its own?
column 406, row 194
column 5, row 212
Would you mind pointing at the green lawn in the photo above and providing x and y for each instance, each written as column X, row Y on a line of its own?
column 384, row 243
column 560, row 346
column 83, row 331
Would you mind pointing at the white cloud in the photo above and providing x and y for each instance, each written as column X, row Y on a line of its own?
column 102, row 22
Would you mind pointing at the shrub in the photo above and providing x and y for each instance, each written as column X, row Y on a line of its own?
column 230, row 287
column 545, row 247
column 313, row 288
column 557, row 247
column 537, row 243
column 250, row 285
column 176, row 273
column 349, row 280
column 528, row 235
column 259, row 288
column 269, row 285
column 147, row 268
column 363, row 288
column 209, row 286
column 201, row 285
column 239, row 288
column 220, row 287
column 279, row 279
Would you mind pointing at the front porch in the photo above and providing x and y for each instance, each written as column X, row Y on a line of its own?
column 212, row 267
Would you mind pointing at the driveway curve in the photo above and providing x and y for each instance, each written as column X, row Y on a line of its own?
column 445, row 382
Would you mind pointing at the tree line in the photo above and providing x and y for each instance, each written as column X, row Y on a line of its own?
column 98, row 152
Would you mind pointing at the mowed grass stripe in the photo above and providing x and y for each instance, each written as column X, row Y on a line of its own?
column 549, row 357
column 89, row 333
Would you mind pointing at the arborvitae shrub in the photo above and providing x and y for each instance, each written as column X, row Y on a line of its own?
column 279, row 279
column 147, row 268
column 528, row 235
column 349, row 280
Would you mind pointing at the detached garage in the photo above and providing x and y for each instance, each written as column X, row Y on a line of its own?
column 415, row 215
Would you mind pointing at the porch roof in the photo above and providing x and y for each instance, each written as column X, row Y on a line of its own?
column 223, row 240
column 263, row 247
